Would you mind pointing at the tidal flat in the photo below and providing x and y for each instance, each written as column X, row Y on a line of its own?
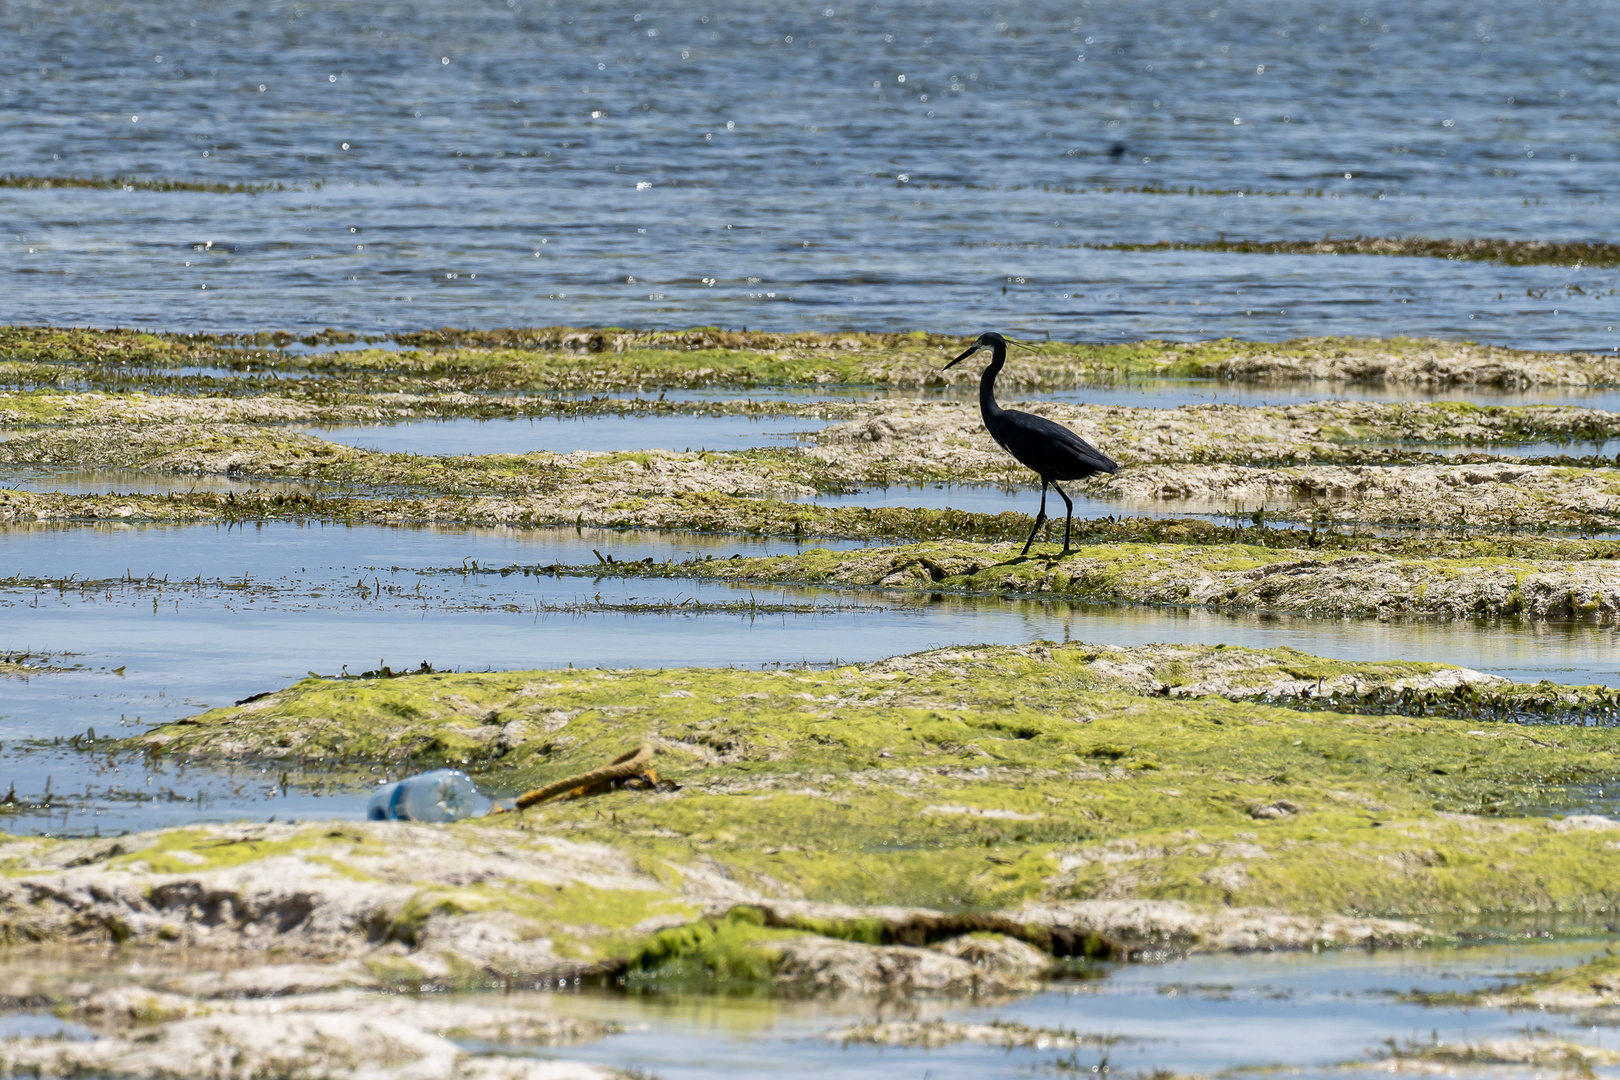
column 976, row 826
column 1454, row 465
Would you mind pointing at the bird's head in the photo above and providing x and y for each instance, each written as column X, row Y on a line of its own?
column 985, row 341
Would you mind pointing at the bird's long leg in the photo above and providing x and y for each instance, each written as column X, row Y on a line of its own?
column 1039, row 518
column 1068, row 521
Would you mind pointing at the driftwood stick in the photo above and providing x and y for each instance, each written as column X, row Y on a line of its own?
column 622, row 767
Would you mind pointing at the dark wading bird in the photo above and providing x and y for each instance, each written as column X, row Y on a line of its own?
column 1050, row 449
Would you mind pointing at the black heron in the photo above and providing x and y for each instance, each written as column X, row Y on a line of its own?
column 1050, row 449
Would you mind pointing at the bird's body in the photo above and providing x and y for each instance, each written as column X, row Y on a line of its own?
column 1048, row 448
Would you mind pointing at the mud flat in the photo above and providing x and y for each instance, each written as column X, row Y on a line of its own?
column 1325, row 462
column 876, row 440
column 573, row 359
column 753, row 490
column 904, row 435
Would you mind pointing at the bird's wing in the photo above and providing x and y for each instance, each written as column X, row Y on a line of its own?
column 1049, row 448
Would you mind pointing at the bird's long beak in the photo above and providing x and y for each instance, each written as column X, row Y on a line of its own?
column 976, row 347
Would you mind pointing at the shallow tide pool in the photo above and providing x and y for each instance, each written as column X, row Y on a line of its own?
column 1325, row 1015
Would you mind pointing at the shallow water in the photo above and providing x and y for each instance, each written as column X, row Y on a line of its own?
column 92, row 481
column 276, row 601
column 564, row 435
column 988, row 499
column 1132, row 393
column 515, row 164
column 1543, row 448
column 1331, row 1014
column 1168, row 394
column 270, row 549
column 1301, row 1013
column 1159, row 394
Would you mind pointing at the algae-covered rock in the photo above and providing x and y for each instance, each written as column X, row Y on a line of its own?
column 1224, row 576
column 1503, row 495
column 1531, row 1050
column 910, row 438
column 515, row 721
column 371, row 892
column 575, row 358
column 1159, row 928
column 291, row 1039
column 982, row 779
column 1592, row 986
column 960, row 966
column 1326, row 462
column 953, row 822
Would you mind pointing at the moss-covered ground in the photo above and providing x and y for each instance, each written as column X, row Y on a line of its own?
column 984, row 778
column 1451, row 582
column 563, row 358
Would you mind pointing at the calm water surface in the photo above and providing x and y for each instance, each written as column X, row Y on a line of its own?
column 811, row 166
column 1254, row 1015
column 1321, row 1016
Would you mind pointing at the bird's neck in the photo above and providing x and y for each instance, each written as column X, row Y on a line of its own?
column 987, row 384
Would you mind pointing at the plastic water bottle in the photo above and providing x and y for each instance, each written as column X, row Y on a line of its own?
column 440, row 795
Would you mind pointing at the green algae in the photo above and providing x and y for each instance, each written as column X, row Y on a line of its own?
column 430, row 717
column 1469, row 584
column 124, row 182
column 1508, row 252
column 23, row 664
column 748, row 490
column 182, row 850
column 981, row 779
column 578, row 359
column 727, row 951
column 118, row 398
column 1594, row 983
